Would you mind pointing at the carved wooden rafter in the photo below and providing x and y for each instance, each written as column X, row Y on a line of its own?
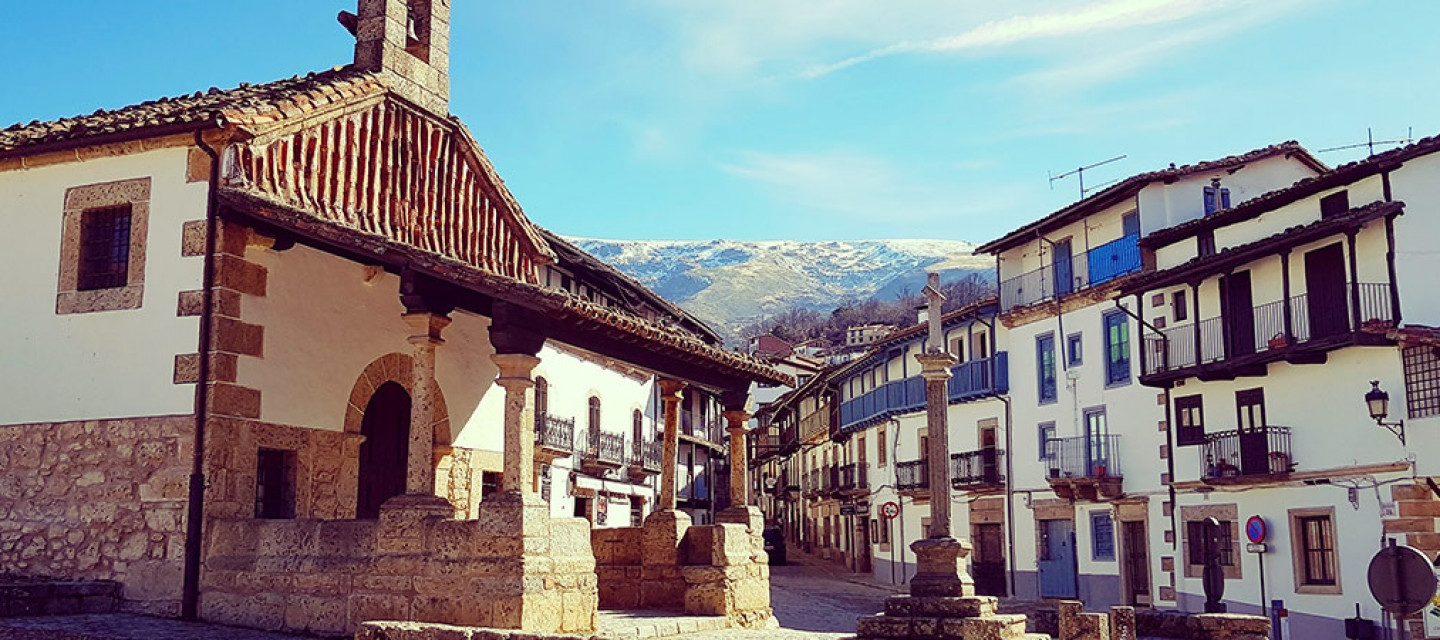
column 385, row 168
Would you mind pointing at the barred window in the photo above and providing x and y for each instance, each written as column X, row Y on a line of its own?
column 104, row 248
column 1422, row 380
column 275, row 484
column 1197, row 543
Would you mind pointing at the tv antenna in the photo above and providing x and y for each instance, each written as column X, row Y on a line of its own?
column 1080, row 172
column 1370, row 141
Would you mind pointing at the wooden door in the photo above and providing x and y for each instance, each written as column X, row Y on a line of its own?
column 1239, row 314
column 1328, row 310
column 988, row 567
column 1064, row 269
column 1058, row 571
column 1254, row 441
column 989, row 456
column 383, row 453
column 1137, row 562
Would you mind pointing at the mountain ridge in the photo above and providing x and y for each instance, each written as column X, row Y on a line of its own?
column 731, row 283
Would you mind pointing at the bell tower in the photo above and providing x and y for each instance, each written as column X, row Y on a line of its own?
column 409, row 42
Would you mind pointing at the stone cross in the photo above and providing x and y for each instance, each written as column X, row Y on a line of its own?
column 935, row 368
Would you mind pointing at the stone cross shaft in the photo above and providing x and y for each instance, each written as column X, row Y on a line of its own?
column 670, row 399
column 736, row 420
column 935, row 368
column 515, row 370
column 420, row 460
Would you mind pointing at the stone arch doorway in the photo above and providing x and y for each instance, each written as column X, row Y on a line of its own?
column 394, row 370
column 386, row 427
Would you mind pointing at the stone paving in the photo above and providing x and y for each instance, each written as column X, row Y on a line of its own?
column 119, row 626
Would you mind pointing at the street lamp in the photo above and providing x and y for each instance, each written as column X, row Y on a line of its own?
column 1379, row 403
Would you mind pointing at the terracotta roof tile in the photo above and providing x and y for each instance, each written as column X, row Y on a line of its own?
column 240, row 105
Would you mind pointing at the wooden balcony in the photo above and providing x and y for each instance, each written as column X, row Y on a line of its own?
column 1083, row 468
column 853, row 481
column 1300, row 330
column 979, row 378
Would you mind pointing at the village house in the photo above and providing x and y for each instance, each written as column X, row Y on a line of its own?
column 296, row 359
column 1265, row 325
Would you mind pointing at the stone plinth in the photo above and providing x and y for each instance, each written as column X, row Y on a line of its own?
column 940, row 568
column 664, row 534
column 514, row 567
column 1230, row 626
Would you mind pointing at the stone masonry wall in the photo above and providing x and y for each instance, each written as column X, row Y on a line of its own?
column 327, row 576
column 99, row 500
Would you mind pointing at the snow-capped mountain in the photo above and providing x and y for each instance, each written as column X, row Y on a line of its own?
column 731, row 283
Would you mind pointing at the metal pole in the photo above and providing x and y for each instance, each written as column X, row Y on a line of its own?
column 1264, row 606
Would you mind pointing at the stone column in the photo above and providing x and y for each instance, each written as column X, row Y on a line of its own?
column 515, row 369
column 737, row 420
column 935, row 368
column 670, row 399
column 425, row 330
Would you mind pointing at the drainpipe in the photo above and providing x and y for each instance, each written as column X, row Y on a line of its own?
column 195, row 509
column 1009, row 456
column 1169, row 432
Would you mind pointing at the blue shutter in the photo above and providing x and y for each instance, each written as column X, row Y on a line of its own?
column 1102, row 535
column 1224, row 197
column 1209, row 200
column 1117, row 349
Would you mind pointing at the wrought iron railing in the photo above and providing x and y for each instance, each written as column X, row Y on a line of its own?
column 977, row 468
column 648, row 454
column 912, row 474
column 1085, row 457
column 554, row 432
column 1262, row 451
column 852, row 477
column 606, row 447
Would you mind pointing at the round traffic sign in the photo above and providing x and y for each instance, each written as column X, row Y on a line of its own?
column 1256, row 530
column 890, row 510
column 1401, row 579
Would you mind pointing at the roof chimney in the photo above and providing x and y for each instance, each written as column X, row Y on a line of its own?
column 408, row 40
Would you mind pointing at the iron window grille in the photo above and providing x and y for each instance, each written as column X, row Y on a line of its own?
column 104, row 248
column 1223, row 541
column 275, row 484
column 1422, row 380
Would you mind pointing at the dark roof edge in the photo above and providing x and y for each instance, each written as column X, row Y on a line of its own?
column 214, row 121
column 1132, row 185
column 1259, row 205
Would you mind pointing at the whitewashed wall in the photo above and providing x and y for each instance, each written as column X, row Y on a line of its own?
column 109, row 364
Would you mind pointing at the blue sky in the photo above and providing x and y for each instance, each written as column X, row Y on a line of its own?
column 800, row 119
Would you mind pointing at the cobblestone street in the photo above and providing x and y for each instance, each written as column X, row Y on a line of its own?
column 813, row 600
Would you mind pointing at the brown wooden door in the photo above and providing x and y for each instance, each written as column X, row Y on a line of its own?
column 1239, row 314
column 1137, row 562
column 1328, row 310
column 1254, row 441
column 386, row 427
column 988, row 569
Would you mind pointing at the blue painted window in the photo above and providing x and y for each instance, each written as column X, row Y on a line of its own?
column 1047, row 437
column 1117, row 348
column 1073, row 349
column 1210, row 199
column 1045, row 366
column 1102, row 535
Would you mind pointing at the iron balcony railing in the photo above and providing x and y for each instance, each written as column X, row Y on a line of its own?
column 852, row 477
column 912, row 474
column 1175, row 348
column 647, row 454
column 1084, row 457
column 1059, row 278
column 1263, row 451
column 554, row 432
column 978, row 378
column 977, row 468
column 606, row 447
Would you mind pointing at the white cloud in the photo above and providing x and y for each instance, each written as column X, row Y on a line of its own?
column 1109, row 15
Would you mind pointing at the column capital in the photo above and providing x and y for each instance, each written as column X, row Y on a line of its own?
column 515, row 367
column 935, row 366
column 736, row 418
column 671, row 388
column 425, row 326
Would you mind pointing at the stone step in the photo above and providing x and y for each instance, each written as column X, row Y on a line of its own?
column 941, row 607
column 41, row 597
column 996, row 627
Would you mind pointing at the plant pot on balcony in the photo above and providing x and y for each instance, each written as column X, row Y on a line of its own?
column 1279, row 341
column 1376, row 325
